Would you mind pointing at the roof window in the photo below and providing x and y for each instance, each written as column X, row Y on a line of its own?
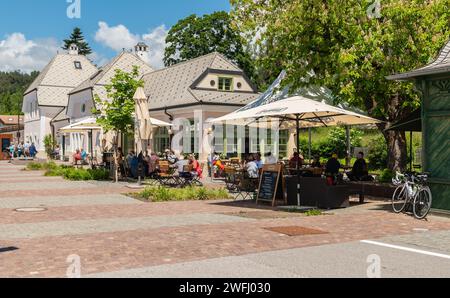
column 77, row 65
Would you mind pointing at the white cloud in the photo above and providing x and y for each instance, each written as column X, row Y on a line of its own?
column 116, row 38
column 119, row 37
column 98, row 59
column 19, row 53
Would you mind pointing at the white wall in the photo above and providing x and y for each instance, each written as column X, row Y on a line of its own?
column 76, row 101
column 32, row 131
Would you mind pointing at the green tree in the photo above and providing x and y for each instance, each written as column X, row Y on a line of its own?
column 115, row 114
column 351, row 50
column 12, row 86
column 196, row 36
column 77, row 38
column 49, row 145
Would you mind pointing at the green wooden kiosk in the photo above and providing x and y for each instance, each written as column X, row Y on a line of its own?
column 433, row 81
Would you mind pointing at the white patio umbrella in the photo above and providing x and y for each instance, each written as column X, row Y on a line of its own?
column 85, row 126
column 144, row 123
column 308, row 112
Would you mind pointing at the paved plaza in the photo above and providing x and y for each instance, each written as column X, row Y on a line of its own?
column 117, row 236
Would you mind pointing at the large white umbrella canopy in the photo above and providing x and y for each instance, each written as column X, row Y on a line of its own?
column 81, row 126
column 310, row 113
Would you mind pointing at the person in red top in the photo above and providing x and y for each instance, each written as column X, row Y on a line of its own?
column 77, row 157
column 196, row 166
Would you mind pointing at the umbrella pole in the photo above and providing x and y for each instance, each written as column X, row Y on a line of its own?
column 310, row 145
column 411, row 150
column 92, row 144
column 348, row 157
column 297, row 123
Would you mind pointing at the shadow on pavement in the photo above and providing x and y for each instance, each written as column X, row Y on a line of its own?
column 7, row 249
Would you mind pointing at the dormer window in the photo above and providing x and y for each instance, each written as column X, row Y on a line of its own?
column 225, row 84
column 77, row 65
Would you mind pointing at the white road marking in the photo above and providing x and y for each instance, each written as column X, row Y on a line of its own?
column 424, row 252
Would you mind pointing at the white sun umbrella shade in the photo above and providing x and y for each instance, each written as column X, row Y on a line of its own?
column 311, row 113
column 82, row 126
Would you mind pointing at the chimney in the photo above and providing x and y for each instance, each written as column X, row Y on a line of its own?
column 141, row 50
column 73, row 49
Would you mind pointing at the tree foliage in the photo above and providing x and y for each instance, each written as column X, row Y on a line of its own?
column 77, row 38
column 195, row 36
column 116, row 112
column 12, row 87
column 350, row 50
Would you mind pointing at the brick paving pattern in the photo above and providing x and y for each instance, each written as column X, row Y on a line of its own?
column 111, row 232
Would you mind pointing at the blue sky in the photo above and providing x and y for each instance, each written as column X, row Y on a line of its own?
column 31, row 31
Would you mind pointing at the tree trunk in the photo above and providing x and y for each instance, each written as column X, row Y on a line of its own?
column 396, row 140
column 397, row 150
column 116, row 160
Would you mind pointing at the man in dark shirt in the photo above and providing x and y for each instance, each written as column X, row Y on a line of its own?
column 359, row 171
column 333, row 166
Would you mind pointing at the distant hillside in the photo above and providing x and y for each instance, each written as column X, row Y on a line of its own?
column 12, row 87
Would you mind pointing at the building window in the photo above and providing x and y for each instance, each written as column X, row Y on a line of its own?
column 225, row 84
column 77, row 64
column 213, row 83
column 239, row 85
column 83, row 108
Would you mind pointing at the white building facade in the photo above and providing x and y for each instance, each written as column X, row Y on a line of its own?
column 47, row 97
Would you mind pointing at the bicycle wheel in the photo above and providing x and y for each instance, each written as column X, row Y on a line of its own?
column 399, row 199
column 422, row 203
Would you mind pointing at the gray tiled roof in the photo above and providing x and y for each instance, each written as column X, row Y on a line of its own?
column 124, row 61
column 241, row 98
column 61, row 116
column 171, row 86
column 59, row 77
column 440, row 65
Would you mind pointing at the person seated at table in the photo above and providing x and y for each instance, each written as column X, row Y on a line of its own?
column 171, row 156
column 316, row 163
column 296, row 161
column 270, row 159
column 55, row 154
column 77, row 157
column 251, row 167
column 84, row 156
column 180, row 164
column 259, row 162
column 153, row 164
column 196, row 166
column 332, row 169
column 359, row 171
column 218, row 165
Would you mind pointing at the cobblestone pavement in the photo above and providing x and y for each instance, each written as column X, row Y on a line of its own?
column 115, row 234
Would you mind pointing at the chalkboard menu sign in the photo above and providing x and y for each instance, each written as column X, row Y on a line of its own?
column 271, row 184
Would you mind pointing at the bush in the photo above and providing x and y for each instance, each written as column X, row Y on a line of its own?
column 58, row 172
column 99, row 174
column 49, row 144
column 386, row 176
column 336, row 142
column 378, row 154
column 163, row 194
column 34, row 166
column 77, row 174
